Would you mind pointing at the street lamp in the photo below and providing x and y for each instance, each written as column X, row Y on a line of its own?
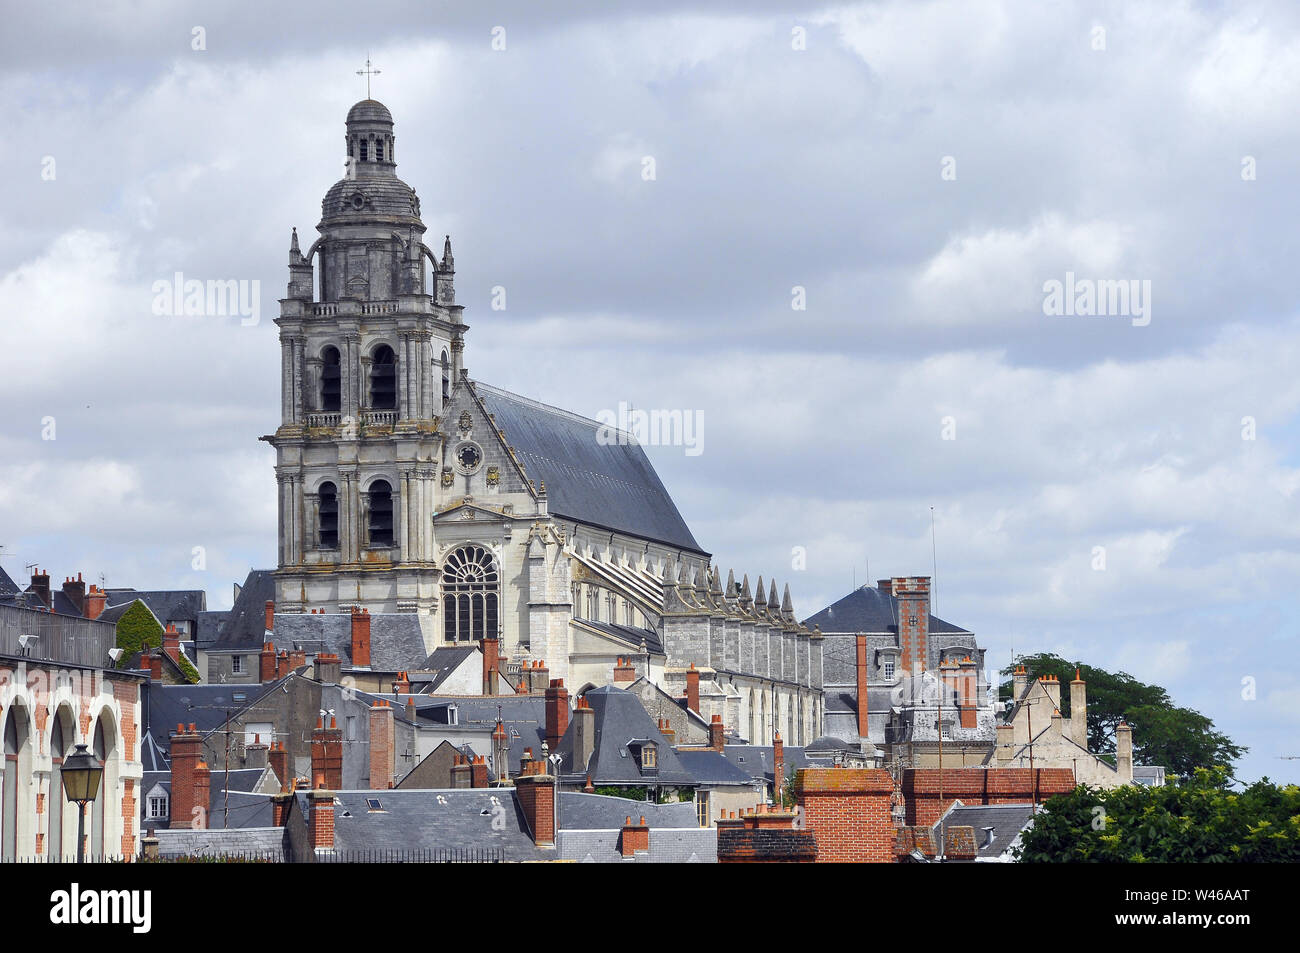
column 81, row 776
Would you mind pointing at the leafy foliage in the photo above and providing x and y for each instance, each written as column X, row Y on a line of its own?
column 1199, row 819
column 1181, row 739
column 137, row 630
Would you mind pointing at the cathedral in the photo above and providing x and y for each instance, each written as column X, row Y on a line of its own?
column 405, row 486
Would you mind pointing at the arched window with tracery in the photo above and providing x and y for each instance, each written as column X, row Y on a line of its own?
column 470, row 594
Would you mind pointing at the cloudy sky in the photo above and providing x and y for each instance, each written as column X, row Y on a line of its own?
column 919, row 169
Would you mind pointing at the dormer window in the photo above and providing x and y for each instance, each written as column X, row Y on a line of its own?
column 888, row 669
column 649, row 758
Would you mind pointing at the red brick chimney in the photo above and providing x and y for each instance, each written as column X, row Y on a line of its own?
column 536, row 794
column 635, row 838
column 557, row 712
column 266, row 663
column 478, row 772
column 327, row 755
column 297, row 659
column 491, row 648
column 717, row 734
column 282, row 664
column 75, row 590
column 41, row 586
column 155, row 666
column 189, row 779
column 401, row 684
column 624, row 673
column 278, row 759
column 360, row 638
column 96, row 602
column 863, row 722
column 381, row 745
column 322, row 820
column 666, row 729
column 171, row 643
column 778, row 768
column 913, row 595
column 693, row 689
column 270, row 614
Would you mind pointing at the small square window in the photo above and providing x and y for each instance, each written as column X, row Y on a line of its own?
column 237, row 664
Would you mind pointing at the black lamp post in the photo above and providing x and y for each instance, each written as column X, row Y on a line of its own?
column 81, row 776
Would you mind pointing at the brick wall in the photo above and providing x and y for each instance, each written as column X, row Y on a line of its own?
column 847, row 810
column 923, row 787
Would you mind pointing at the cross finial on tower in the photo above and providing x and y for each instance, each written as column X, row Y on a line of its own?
column 367, row 73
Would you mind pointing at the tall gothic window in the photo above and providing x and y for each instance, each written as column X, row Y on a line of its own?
column 383, row 379
column 446, row 377
column 470, row 593
column 330, row 380
column 329, row 516
column 381, row 514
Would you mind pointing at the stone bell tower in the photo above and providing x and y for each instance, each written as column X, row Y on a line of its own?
column 371, row 340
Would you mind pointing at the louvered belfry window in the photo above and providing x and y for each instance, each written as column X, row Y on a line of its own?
column 470, row 594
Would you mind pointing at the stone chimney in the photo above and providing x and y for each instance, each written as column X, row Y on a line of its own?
column 1052, row 685
column 913, row 595
column 624, row 673
column 1079, row 711
column 536, row 794
column 460, row 772
column 1006, row 741
column 96, row 602
column 257, row 755
column 75, row 590
column 327, row 755
column 190, row 788
column 557, row 712
column 717, row 734
column 1019, row 680
column 634, row 838
column 266, row 663
column 270, row 615
column 41, row 586
column 382, row 744
column 864, row 729
column 328, row 668
column 584, row 734
column 1124, row 751
column 539, row 676
column 360, row 638
column 491, row 677
column 693, row 689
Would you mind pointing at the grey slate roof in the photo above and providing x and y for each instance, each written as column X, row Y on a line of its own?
column 710, row 768
column 396, row 642
column 207, row 626
column 631, row 635
column 580, row 811
column 604, row 485
column 267, row 843
column 867, row 609
column 432, row 820
column 7, row 586
column 167, row 604
column 620, row 719
column 1007, row 821
column 445, row 660
column 522, row 716
column 758, row 761
column 245, row 626
column 246, row 809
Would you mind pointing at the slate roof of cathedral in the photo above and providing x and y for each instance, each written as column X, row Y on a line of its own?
column 867, row 609
column 629, row 634
column 601, row 484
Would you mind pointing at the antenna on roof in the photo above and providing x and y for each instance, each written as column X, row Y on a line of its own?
column 934, row 555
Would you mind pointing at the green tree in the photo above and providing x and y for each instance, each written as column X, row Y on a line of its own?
column 1181, row 739
column 1198, row 819
column 137, row 631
